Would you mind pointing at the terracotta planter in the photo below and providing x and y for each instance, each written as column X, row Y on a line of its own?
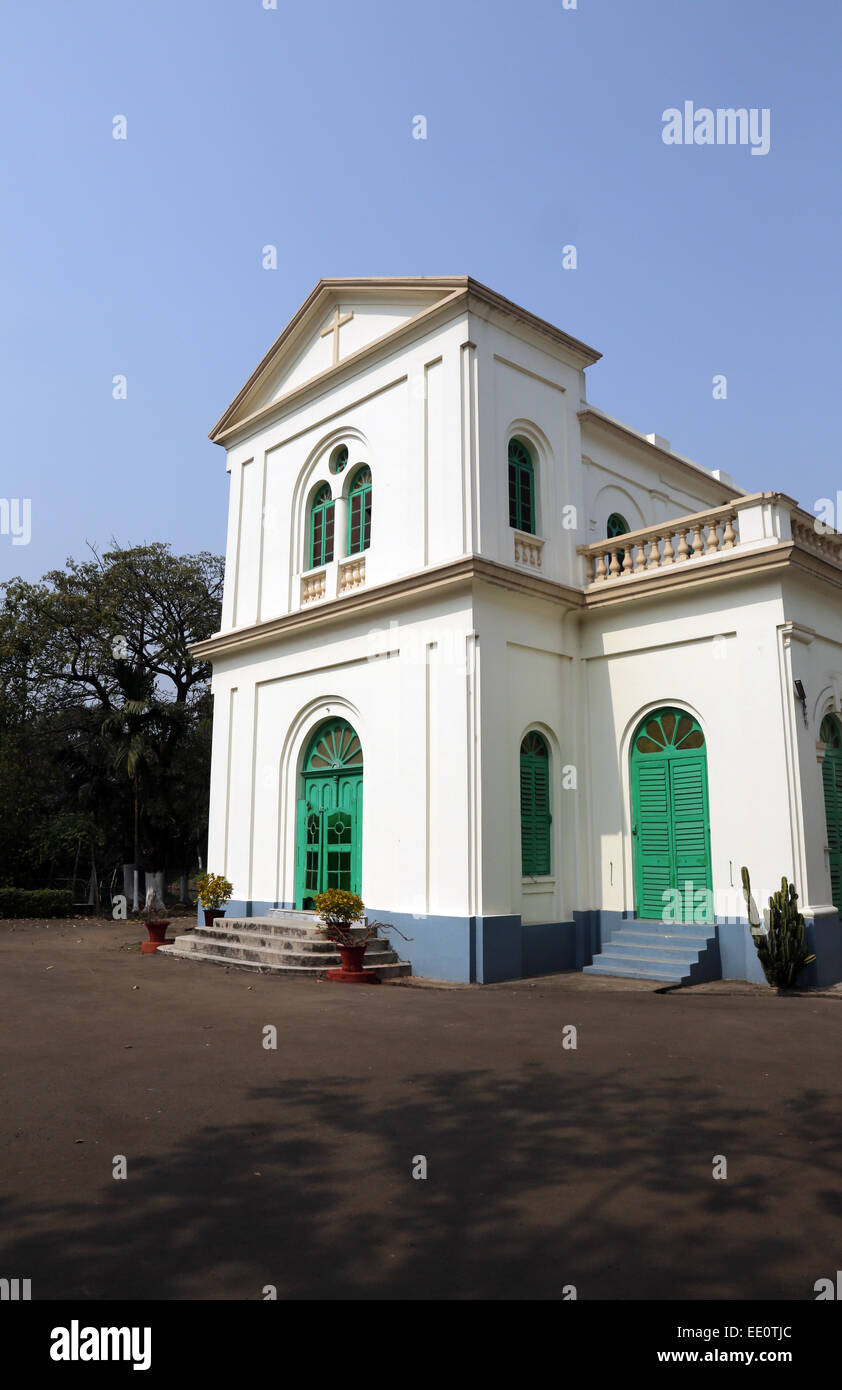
column 211, row 913
column 352, row 972
column 352, row 957
column 157, row 936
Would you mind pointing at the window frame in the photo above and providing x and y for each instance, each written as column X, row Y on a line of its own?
column 323, row 507
column 521, row 468
column 360, row 504
column 536, row 847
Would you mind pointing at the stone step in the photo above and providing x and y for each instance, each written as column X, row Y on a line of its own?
column 273, row 940
column 679, row 941
column 196, row 942
column 278, row 941
column 675, row 968
column 666, row 949
column 646, row 949
column 659, row 927
column 391, row 970
column 624, row 972
column 304, row 926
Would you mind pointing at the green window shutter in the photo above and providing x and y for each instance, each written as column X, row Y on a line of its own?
column 300, row 851
column 832, row 786
column 521, row 488
column 321, row 528
column 690, row 832
column 359, row 512
column 671, row 818
column 535, row 818
column 653, row 857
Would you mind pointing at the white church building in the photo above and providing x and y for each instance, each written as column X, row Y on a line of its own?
column 532, row 683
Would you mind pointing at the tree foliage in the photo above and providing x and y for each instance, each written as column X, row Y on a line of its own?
column 105, row 715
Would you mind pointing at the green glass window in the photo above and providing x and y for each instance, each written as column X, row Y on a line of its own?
column 321, row 528
column 521, row 488
column 535, row 818
column 617, row 526
column 340, row 459
column 359, row 512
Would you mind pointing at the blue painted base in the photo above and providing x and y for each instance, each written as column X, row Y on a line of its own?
column 485, row 950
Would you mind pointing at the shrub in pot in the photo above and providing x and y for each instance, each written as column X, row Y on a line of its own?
column 214, row 893
column 339, row 910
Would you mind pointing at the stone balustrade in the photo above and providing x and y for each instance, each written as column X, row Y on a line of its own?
column 814, row 535
column 528, row 550
column 352, row 574
column 677, row 542
column 312, row 586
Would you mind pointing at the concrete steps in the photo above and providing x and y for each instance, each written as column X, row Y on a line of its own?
column 283, row 943
column 676, row 954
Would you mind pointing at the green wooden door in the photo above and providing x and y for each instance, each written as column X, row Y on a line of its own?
column 329, row 827
column 671, row 820
column 832, row 780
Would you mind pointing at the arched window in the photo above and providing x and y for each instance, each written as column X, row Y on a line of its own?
column 339, row 459
column 359, row 512
column 617, row 526
column 521, row 488
column 535, row 815
column 321, row 528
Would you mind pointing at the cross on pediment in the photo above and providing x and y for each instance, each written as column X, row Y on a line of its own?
column 334, row 326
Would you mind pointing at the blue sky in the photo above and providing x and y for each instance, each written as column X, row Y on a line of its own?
column 249, row 126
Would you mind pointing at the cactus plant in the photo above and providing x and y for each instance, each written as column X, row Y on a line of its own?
column 780, row 948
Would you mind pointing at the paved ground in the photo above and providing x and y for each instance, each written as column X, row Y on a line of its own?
column 546, row 1166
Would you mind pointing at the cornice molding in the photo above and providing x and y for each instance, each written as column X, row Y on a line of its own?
column 589, row 415
column 432, row 583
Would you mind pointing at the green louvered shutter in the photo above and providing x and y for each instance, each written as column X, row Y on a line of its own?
column 832, row 778
column 535, row 818
column 671, row 818
column 653, row 856
column 688, row 777
column 300, row 851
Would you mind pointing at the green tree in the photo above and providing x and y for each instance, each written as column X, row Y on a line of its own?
column 104, row 713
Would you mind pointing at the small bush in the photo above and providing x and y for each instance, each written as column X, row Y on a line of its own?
column 36, row 902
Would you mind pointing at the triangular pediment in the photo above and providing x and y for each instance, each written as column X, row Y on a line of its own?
column 336, row 323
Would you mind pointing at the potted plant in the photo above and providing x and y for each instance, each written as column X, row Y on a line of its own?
column 339, row 910
column 154, row 914
column 781, row 949
column 214, row 892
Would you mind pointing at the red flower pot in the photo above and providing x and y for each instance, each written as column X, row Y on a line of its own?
column 211, row 913
column 352, row 972
column 157, row 937
column 352, row 957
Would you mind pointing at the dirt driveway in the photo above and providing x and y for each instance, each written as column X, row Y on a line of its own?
column 292, row 1166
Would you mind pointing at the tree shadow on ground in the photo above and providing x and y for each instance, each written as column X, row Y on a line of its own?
column 535, row 1181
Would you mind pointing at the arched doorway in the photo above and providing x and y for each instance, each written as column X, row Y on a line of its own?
column 671, row 819
column 328, row 850
column 832, row 780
